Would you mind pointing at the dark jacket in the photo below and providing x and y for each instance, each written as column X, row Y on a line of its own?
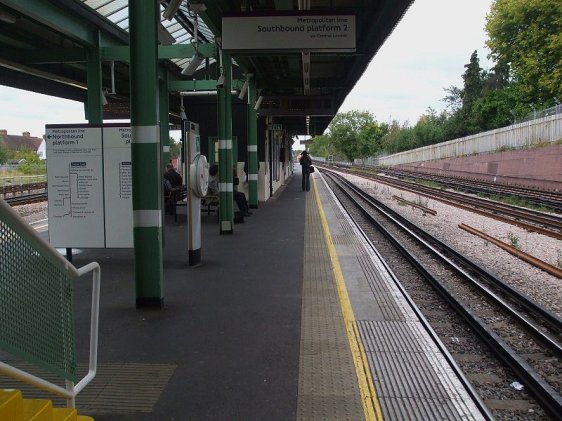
column 306, row 162
column 173, row 177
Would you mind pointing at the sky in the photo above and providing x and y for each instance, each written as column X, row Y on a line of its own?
column 425, row 54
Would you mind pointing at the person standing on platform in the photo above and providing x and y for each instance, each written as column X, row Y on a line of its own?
column 306, row 164
column 173, row 176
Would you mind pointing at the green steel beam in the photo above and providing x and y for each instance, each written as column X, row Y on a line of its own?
column 186, row 50
column 59, row 55
column 29, row 55
column 192, row 85
column 165, row 52
column 94, row 106
column 56, row 18
column 77, row 22
column 119, row 53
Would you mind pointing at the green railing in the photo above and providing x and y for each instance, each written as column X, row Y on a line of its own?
column 36, row 306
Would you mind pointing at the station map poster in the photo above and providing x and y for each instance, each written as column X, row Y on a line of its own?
column 118, row 186
column 75, row 186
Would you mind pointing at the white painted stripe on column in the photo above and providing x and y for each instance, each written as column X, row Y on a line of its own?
column 166, row 149
column 146, row 134
column 253, row 177
column 225, row 144
column 252, row 148
column 147, row 219
column 226, row 187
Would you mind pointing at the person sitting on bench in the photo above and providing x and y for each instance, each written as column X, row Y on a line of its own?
column 173, row 176
column 239, row 197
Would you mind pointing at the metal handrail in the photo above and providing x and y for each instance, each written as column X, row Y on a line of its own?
column 11, row 218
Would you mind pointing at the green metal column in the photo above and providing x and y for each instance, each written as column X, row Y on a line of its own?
column 224, row 104
column 145, row 154
column 94, row 107
column 165, row 118
column 212, row 150
column 252, row 146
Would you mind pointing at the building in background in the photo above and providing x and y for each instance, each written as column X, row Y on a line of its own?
column 25, row 141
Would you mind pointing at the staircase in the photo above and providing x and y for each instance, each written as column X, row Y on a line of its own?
column 13, row 407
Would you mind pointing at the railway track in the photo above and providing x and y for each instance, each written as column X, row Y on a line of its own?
column 543, row 223
column 537, row 197
column 14, row 189
column 26, row 199
column 521, row 334
column 16, row 195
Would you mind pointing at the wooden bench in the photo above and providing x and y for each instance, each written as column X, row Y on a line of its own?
column 174, row 198
column 210, row 203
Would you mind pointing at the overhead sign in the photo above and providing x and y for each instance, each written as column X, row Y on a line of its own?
column 323, row 33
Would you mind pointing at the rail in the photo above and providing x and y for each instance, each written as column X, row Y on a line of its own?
column 13, row 229
column 545, row 393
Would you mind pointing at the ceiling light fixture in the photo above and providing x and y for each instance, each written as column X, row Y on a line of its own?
column 245, row 86
column 258, row 103
column 103, row 98
column 220, row 81
column 197, row 59
column 183, row 116
column 172, row 9
column 193, row 64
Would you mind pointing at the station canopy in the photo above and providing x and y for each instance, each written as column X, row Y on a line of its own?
column 304, row 55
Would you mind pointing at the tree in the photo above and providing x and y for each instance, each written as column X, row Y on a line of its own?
column 429, row 129
column 453, row 99
column 4, row 153
column 349, row 133
column 370, row 139
column 525, row 36
column 322, row 146
column 390, row 143
column 467, row 122
column 32, row 164
column 175, row 147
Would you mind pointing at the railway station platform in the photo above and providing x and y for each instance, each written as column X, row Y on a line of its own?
column 292, row 316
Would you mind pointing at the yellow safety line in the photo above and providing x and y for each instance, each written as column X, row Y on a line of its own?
column 369, row 399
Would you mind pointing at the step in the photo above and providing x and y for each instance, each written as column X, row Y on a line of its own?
column 11, row 405
column 14, row 408
column 37, row 410
column 64, row 414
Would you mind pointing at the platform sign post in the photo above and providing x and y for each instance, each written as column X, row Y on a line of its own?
column 75, row 185
column 197, row 183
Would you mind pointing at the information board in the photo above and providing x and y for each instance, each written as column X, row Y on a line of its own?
column 75, row 186
column 118, row 186
column 291, row 32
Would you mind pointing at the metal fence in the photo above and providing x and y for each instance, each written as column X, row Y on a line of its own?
column 36, row 307
column 557, row 109
column 521, row 135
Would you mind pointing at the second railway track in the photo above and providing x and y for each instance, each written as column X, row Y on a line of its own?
column 534, row 221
